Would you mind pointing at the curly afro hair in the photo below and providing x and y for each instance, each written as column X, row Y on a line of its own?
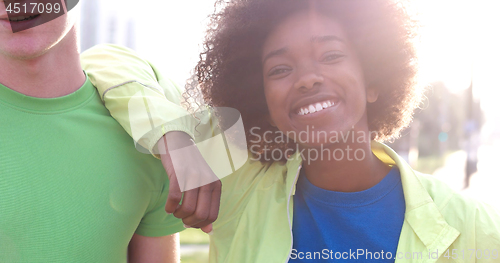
column 229, row 72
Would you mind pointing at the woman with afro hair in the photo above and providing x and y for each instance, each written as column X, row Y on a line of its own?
column 320, row 84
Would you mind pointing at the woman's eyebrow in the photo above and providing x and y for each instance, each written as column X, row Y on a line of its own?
column 318, row 39
column 274, row 53
column 326, row 38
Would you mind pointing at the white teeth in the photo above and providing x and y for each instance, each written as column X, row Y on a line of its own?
column 318, row 107
column 312, row 109
column 315, row 107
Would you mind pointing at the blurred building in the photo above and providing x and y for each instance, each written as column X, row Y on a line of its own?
column 106, row 22
column 167, row 33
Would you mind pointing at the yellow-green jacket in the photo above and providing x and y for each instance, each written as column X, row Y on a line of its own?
column 256, row 212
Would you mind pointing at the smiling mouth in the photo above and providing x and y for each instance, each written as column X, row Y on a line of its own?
column 22, row 18
column 315, row 107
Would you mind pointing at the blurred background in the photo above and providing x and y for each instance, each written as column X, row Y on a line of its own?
column 455, row 135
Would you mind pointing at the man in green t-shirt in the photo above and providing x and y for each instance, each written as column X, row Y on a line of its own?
column 73, row 188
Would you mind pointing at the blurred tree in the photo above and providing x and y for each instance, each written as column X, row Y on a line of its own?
column 443, row 124
column 441, row 119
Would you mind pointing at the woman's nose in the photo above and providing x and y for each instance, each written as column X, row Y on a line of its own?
column 309, row 80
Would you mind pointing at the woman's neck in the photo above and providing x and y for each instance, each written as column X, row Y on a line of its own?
column 345, row 167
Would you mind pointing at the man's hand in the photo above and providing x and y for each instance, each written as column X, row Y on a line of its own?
column 200, row 206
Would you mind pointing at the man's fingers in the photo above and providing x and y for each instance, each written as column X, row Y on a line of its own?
column 188, row 206
column 174, row 195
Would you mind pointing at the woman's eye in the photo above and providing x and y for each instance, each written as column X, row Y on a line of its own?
column 278, row 71
column 331, row 57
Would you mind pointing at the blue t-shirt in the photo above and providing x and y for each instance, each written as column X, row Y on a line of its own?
column 358, row 227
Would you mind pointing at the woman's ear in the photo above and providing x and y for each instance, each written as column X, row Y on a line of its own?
column 371, row 95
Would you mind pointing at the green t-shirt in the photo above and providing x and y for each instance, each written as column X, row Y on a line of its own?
column 73, row 188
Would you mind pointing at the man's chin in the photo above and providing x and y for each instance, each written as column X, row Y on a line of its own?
column 22, row 50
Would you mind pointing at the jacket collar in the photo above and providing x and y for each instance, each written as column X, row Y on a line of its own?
column 422, row 214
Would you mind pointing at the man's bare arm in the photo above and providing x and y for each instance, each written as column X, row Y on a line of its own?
column 164, row 249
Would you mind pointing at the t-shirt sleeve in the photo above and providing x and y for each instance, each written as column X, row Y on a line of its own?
column 156, row 222
column 145, row 104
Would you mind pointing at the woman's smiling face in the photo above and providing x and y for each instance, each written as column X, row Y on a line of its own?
column 313, row 79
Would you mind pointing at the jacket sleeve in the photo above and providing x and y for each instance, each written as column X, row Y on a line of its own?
column 487, row 230
column 146, row 104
